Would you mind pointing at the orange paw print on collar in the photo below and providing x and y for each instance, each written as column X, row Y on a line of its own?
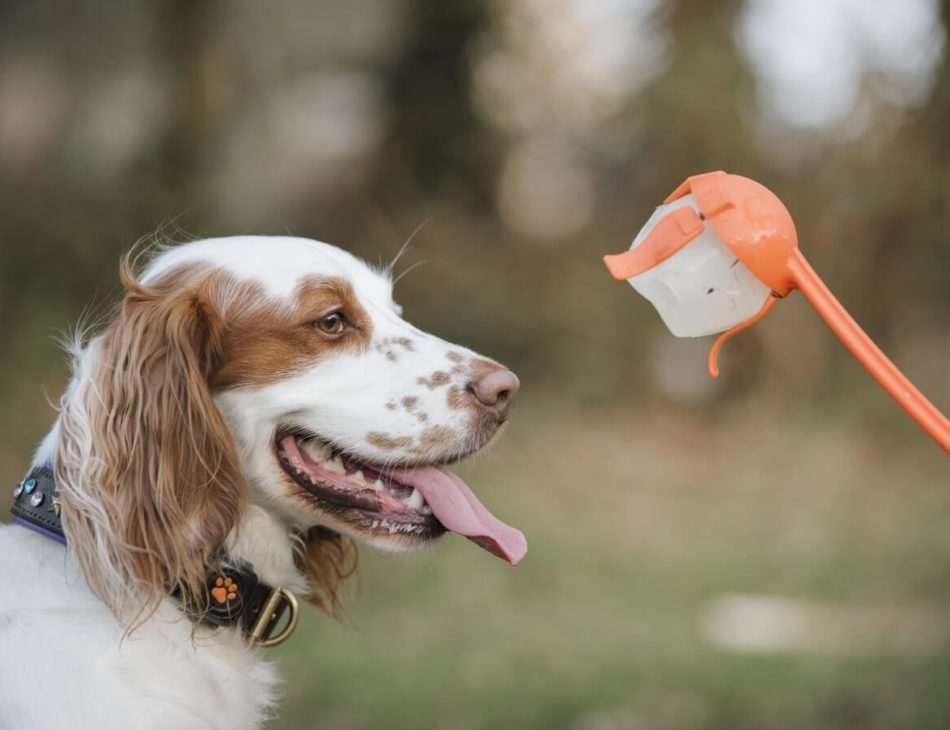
column 224, row 589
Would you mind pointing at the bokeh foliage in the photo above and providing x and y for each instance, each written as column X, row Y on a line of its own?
column 359, row 122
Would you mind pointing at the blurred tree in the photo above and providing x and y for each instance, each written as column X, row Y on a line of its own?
column 436, row 147
column 693, row 116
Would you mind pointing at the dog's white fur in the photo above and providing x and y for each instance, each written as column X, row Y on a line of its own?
column 66, row 659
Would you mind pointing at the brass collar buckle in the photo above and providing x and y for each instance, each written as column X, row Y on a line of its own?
column 275, row 605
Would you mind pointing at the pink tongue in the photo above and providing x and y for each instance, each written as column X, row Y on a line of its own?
column 459, row 510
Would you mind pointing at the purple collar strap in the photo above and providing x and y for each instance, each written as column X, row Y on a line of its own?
column 36, row 504
column 236, row 596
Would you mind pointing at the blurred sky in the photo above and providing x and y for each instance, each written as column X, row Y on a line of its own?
column 812, row 60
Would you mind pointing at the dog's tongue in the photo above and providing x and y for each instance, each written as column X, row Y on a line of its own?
column 458, row 509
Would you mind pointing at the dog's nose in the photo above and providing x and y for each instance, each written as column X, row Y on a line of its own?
column 495, row 389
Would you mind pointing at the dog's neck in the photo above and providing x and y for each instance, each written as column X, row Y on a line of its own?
column 261, row 538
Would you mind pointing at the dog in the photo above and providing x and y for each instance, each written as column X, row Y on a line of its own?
column 254, row 406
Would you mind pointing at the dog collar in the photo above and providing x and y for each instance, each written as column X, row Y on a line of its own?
column 236, row 595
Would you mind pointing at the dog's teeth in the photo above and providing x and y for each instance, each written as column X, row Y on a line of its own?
column 358, row 476
column 415, row 500
column 377, row 485
column 426, row 509
column 335, row 465
column 316, row 451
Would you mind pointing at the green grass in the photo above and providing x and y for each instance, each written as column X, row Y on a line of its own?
column 634, row 523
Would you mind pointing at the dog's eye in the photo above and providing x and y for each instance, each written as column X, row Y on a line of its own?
column 331, row 324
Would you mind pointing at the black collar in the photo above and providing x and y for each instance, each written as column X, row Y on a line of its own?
column 236, row 596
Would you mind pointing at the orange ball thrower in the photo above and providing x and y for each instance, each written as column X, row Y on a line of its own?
column 717, row 255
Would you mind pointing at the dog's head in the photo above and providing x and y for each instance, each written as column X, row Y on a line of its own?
column 276, row 371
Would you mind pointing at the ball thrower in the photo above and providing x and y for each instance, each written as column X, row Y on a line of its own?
column 718, row 254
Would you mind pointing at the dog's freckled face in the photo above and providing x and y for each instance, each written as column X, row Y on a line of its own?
column 253, row 402
column 342, row 412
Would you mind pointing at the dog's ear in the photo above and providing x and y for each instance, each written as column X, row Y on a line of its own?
column 148, row 472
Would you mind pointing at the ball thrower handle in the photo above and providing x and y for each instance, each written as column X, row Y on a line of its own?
column 867, row 353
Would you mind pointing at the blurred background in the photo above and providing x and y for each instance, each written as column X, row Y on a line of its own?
column 768, row 550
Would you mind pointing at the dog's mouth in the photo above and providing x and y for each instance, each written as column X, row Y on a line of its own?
column 422, row 501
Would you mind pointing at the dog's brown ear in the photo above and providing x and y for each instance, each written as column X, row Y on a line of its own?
column 327, row 559
column 148, row 471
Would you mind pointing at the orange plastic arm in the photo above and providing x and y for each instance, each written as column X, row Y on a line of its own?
column 869, row 354
column 713, row 361
column 671, row 233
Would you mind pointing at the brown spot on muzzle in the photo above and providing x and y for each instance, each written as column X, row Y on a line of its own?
column 436, row 380
column 387, row 346
column 404, row 342
column 457, row 397
column 386, row 442
column 436, row 442
column 437, row 436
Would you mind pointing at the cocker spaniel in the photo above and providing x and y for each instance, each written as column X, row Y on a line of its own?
column 254, row 404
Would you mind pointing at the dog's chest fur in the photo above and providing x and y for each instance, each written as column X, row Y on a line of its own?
column 64, row 661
